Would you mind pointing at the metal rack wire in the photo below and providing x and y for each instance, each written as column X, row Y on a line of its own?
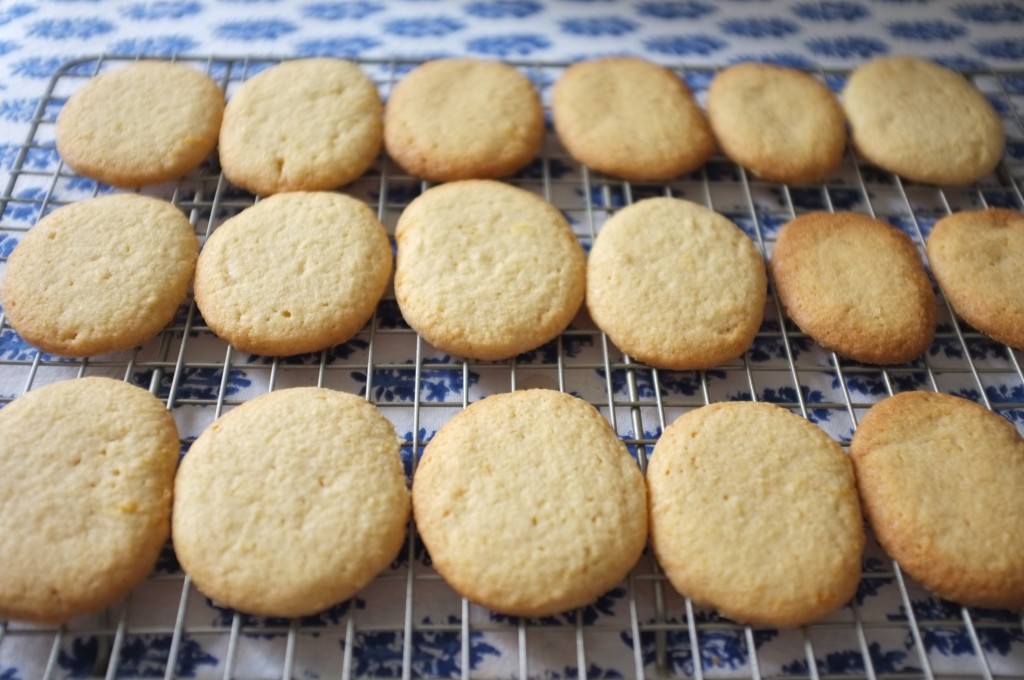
column 408, row 623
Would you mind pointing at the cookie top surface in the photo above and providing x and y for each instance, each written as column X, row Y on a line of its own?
column 486, row 270
column 754, row 512
column 856, row 285
column 297, row 272
column 942, row 483
column 668, row 249
column 529, row 504
column 780, row 123
column 453, row 119
column 100, row 275
column 304, row 125
column 86, row 508
column 922, row 121
column 976, row 257
column 291, row 502
column 146, row 123
column 630, row 118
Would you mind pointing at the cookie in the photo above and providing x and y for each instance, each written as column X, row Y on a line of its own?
column 975, row 257
column 630, row 118
column 291, row 502
column 86, row 474
column 529, row 504
column 150, row 122
column 304, row 125
column 922, row 121
column 782, row 124
column 676, row 285
column 297, row 272
column 100, row 275
column 453, row 119
column 856, row 285
column 754, row 512
column 486, row 270
column 942, row 483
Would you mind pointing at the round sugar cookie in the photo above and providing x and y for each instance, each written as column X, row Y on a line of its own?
column 297, row 272
column 149, row 122
column 976, row 258
column 630, row 118
column 453, row 119
column 942, row 483
column 754, row 512
column 486, row 270
column 922, row 121
column 86, row 474
column 780, row 123
column 856, row 285
column 675, row 284
column 529, row 504
column 303, row 125
column 291, row 502
column 100, row 275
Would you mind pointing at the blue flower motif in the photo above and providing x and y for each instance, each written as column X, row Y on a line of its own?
column 991, row 13
column 926, row 30
column 14, row 348
column 15, row 12
column 434, row 654
column 847, row 661
column 36, row 158
column 846, row 47
column 681, row 9
column 156, row 46
column 760, row 27
column 7, row 243
column 8, row 46
column 685, row 45
column 595, row 26
column 36, row 67
column 18, row 110
column 145, row 656
column 789, row 59
column 161, row 9
column 255, row 29
column 517, row 44
column 501, row 9
column 959, row 62
column 341, row 11
column 831, row 11
column 80, row 659
column 1002, row 48
column 424, row 27
column 351, row 46
column 196, row 382
column 62, row 29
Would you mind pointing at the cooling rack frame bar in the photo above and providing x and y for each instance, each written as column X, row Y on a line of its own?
column 638, row 401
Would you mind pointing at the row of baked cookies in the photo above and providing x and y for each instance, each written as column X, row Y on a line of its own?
column 317, row 124
column 487, row 271
column 527, row 502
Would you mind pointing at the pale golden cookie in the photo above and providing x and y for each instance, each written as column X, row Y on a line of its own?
column 780, row 123
column 486, row 270
column 630, row 118
column 754, row 512
column 86, row 474
column 922, row 121
column 291, row 502
column 942, row 482
column 297, row 272
column 976, row 258
column 304, row 125
column 675, row 284
column 856, row 285
column 529, row 504
column 101, row 275
column 454, row 119
column 146, row 123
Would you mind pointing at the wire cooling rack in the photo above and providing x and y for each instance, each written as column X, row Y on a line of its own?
column 408, row 623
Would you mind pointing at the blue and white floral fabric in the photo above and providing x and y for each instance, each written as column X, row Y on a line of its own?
column 408, row 623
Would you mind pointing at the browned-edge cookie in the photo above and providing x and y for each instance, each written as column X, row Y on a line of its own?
column 976, row 257
column 856, row 285
column 942, row 482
